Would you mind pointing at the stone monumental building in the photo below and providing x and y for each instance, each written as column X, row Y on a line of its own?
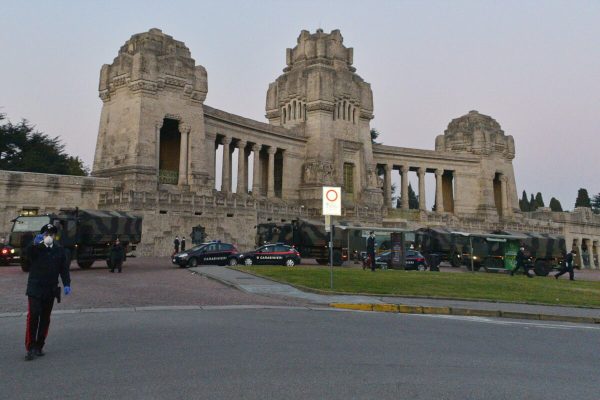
column 158, row 148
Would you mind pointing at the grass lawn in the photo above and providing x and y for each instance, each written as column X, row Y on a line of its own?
column 484, row 286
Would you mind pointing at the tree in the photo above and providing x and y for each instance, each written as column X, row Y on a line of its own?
column 374, row 135
column 555, row 205
column 596, row 204
column 539, row 202
column 532, row 203
column 524, row 203
column 413, row 199
column 583, row 200
column 24, row 149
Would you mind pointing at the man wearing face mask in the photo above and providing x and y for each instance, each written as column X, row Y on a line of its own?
column 47, row 262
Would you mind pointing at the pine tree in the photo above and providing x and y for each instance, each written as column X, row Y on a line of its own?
column 583, row 200
column 413, row 200
column 539, row 201
column 532, row 203
column 374, row 135
column 524, row 203
column 555, row 205
column 596, row 204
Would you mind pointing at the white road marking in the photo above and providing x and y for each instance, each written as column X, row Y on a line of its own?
column 546, row 325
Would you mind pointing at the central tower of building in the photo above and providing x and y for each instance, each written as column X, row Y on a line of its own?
column 321, row 94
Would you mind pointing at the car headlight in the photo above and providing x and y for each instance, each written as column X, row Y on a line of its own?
column 182, row 255
column 474, row 257
column 12, row 251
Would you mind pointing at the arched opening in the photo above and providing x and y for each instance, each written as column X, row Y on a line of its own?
column 498, row 193
column 283, row 115
column 278, row 172
column 354, row 116
column 289, row 112
column 294, row 107
column 344, row 110
column 170, row 146
column 348, row 188
column 304, row 112
column 349, row 108
column 339, row 109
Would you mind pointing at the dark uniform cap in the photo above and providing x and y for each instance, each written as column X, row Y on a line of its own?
column 49, row 228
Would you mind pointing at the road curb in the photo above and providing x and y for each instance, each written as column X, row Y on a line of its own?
column 409, row 309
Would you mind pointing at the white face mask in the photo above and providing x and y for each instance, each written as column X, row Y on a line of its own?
column 48, row 240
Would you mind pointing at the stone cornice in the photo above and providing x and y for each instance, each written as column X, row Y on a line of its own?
column 383, row 151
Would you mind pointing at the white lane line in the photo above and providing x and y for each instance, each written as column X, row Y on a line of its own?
column 546, row 325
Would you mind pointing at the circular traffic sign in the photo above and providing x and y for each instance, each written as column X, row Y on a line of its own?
column 331, row 195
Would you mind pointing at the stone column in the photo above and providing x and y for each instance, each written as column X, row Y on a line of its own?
column 241, row 172
column 271, row 172
column 421, row 174
column 157, row 127
column 503, row 195
column 387, row 186
column 404, row 193
column 226, row 175
column 256, row 171
column 183, row 157
column 439, row 199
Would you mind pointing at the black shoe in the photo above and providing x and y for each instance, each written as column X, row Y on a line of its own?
column 112, row 270
column 39, row 353
column 512, row 273
column 30, row 356
column 529, row 276
column 556, row 277
column 119, row 271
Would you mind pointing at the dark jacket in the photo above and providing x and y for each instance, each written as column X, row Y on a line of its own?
column 182, row 244
column 520, row 258
column 46, row 264
column 117, row 254
column 371, row 244
column 569, row 260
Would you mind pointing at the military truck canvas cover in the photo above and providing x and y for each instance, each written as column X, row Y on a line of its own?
column 104, row 226
column 540, row 245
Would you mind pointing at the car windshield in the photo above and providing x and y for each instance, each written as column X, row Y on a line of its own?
column 30, row 224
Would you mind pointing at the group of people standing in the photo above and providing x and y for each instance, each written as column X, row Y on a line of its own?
column 178, row 245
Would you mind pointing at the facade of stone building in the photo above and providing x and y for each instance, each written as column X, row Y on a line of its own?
column 158, row 146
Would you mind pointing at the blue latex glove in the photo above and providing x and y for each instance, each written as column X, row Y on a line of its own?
column 39, row 238
column 67, row 290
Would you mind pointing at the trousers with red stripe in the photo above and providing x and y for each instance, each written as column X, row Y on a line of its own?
column 38, row 321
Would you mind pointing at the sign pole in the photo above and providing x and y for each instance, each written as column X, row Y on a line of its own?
column 331, row 254
column 332, row 205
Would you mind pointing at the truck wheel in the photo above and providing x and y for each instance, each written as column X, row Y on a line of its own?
column 455, row 260
column 85, row 264
column 337, row 258
column 541, row 268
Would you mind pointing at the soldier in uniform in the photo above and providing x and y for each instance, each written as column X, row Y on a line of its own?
column 521, row 261
column 116, row 257
column 371, row 249
column 176, row 245
column 47, row 261
column 568, row 266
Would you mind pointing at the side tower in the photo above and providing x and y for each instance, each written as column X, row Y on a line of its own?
column 320, row 93
column 152, row 123
column 490, row 191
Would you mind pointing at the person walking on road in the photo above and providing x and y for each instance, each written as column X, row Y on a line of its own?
column 568, row 266
column 116, row 256
column 182, row 243
column 521, row 261
column 176, row 245
column 47, row 260
column 371, row 249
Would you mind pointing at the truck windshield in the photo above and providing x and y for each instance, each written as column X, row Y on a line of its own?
column 30, row 224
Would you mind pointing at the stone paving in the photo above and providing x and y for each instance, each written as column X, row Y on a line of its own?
column 144, row 282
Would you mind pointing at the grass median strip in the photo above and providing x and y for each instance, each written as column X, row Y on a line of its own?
column 469, row 286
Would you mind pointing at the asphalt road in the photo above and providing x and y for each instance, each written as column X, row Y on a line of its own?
column 299, row 354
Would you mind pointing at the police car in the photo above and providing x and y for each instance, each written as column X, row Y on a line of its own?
column 212, row 253
column 269, row 254
column 414, row 260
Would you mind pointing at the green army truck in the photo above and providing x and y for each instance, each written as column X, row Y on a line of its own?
column 86, row 235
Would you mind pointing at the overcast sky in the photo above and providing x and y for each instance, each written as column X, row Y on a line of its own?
column 534, row 66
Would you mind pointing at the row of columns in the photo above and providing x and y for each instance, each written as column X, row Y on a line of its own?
column 592, row 249
column 242, row 171
column 387, row 189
